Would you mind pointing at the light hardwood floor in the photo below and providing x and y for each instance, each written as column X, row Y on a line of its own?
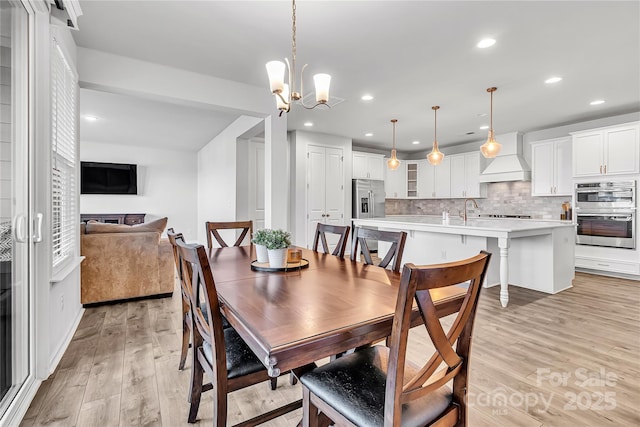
column 570, row 359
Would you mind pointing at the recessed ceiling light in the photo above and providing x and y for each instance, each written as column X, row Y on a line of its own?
column 597, row 102
column 484, row 43
column 416, row 142
column 90, row 118
column 551, row 80
column 484, row 127
column 308, row 124
column 366, row 97
column 482, row 115
column 368, row 134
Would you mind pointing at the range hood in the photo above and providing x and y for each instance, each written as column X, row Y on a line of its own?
column 509, row 164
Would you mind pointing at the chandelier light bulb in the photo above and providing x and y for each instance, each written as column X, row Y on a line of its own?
column 275, row 71
column 322, row 82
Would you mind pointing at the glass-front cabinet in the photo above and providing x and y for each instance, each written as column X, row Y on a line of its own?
column 14, row 202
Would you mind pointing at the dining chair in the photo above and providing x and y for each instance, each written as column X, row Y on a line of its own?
column 320, row 237
column 214, row 227
column 186, row 311
column 377, row 387
column 219, row 353
column 396, row 238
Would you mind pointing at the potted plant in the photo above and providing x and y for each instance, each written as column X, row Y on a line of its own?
column 277, row 242
column 260, row 241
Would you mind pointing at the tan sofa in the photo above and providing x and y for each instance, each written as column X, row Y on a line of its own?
column 124, row 262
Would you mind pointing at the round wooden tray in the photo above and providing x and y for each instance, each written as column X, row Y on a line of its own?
column 264, row 266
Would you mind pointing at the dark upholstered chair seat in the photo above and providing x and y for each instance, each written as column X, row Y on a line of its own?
column 204, row 309
column 354, row 385
column 240, row 359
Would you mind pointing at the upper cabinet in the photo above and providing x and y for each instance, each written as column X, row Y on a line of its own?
column 465, row 175
column 395, row 182
column 368, row 165
column 612, row 150
column 413, row 170
column 435, row 181
column 550, row 164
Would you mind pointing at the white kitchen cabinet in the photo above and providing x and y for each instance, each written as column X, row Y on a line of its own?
column 368, row 165
column 613, row 150
column 395, row 182
column 435, row 181
column 465, row 175
column 413, row 170
column 551, row 168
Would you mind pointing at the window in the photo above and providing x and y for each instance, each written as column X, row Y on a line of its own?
column 64, row 219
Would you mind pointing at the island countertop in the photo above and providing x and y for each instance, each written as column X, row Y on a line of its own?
column 531, row 253
column 486, row 227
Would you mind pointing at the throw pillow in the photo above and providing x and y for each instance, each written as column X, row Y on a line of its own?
column 6, row 241
column 97, row 227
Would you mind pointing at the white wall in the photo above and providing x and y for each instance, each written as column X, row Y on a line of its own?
column 167, row 184
column 217, row 176
column 298, row 144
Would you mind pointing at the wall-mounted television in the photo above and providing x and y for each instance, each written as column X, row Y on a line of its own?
column 108, row 178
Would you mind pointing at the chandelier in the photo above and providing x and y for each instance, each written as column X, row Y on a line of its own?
column 393, row 162
column 286, row 93
column 435, row 156
column 492, row 147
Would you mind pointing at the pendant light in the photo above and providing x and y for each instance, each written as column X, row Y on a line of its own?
column 492, row 147
column 435, row 156
column 393, row 162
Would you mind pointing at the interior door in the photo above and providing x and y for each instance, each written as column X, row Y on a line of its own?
column 256, row 184
column 325, row 189
column 315, row 189
column 334, row 186
column 15, row 239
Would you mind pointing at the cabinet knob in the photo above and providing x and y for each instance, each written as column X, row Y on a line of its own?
column 605, row 169
column 600, row 168
column 327, row 215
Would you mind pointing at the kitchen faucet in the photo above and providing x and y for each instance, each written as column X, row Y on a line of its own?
column 475, row 205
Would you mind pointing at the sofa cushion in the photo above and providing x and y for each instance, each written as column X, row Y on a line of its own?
column 98, row 227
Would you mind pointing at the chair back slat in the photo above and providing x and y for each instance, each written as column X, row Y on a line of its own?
column 214, row 227
column 396, row 238
column 320, row 237
column 415, row 284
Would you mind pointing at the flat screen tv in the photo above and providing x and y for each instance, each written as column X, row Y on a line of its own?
column 108, row 178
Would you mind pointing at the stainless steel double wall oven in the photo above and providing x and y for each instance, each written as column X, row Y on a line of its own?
column 606, row 213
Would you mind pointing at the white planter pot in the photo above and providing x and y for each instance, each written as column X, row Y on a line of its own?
column 261, row 253
column 277, row 258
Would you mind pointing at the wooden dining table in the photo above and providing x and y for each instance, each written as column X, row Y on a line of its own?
column 291, row 319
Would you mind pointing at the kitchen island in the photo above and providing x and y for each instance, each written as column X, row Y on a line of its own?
column 533, row 254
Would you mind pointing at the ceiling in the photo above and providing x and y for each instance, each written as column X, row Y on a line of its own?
column 408, row 55
column 127, row 120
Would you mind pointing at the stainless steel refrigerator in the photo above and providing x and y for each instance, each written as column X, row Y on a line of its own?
column 368, row 201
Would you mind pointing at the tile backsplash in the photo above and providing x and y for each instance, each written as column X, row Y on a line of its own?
column 503, row 198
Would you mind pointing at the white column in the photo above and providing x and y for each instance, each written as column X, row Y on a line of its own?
column 503, row 244
column 276, row 168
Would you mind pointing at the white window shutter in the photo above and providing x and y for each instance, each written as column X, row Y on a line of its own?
column 64, row 219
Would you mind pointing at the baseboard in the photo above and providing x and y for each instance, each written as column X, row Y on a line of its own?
column 53, row 364
column 20, row 405
column 119, row 301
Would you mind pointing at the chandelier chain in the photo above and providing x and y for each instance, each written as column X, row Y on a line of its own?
column 293, row 41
